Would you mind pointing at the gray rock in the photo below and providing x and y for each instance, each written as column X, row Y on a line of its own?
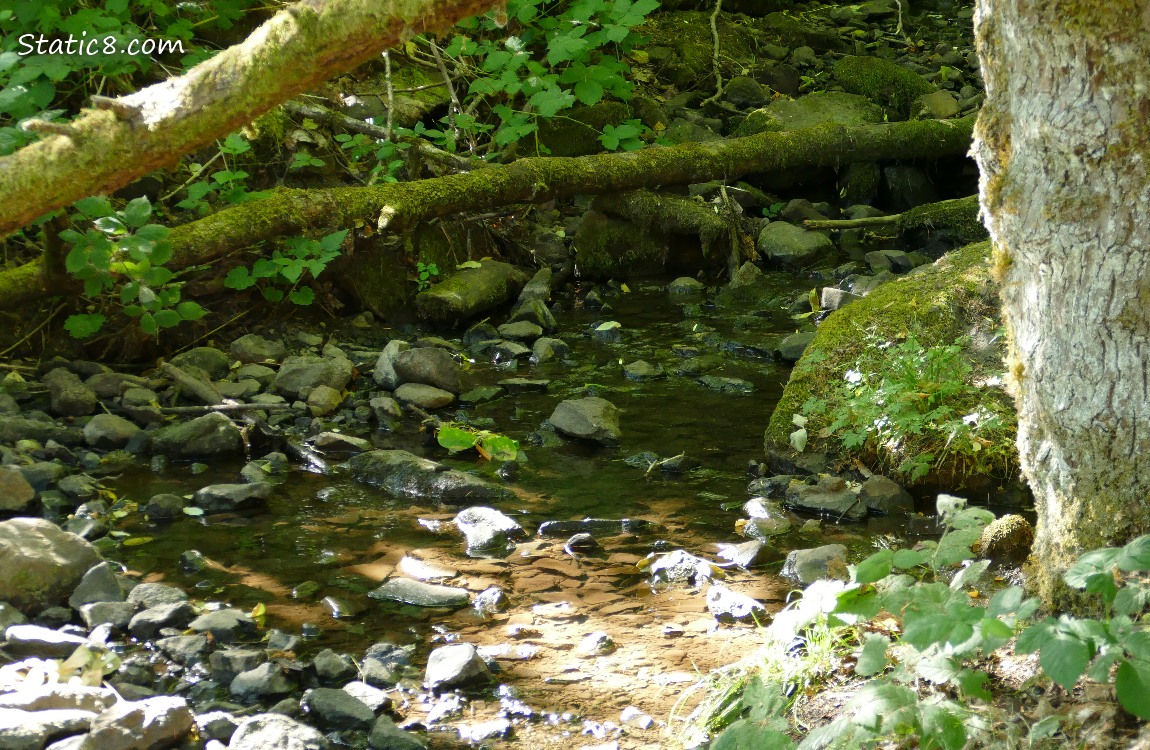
column 79, row 487
column 13, row 429
column 99, row 584
column 545, row 349
column 405, row 475
column 685, row 287
column 185, row 649
column 337, row 709
column 479, row 333
column 372, row 697
column 337, row 441
column 207, row 358
column 229, row 662
column 726, row 385
column 109, row 385
column 68, row 395
column 791, row 246
column 534, row 312
column 229, row 498
column 147, row 595
column 216, row 725
column 142, row 405
column 262, row 375
column 276, row 732
column 746, row 275
column 384, row 663
column 266, row 680
column 488, row 530
column 833, row 298
column 811, row 110
column 333, row 668
column 386, row 410
column 744, row 554
column 423, row 396
column 152, row 620
column 109, row 431
column 805, row 566
column 32, row 730
column 8, row 405
column 885, row 496
column 453, row 665
column 323, row 400
column 9, row 615
column 16, row 493
column 36, row 640
column 255, row 348
column 792, row 347
column 298, row 374
column 118, row 615
column 509, row 351
column 420, row 594
column 641, row 371
column 895, row 261
column 430, row 366
column 141, row 725
column 829, row 495
column 210, row 435
column 55, row 696
column 522, row 330
column 590, row 418
column 42, row 564
column 385, row 735
column 384, row 373
column 164, row 507
column 239, row 389
column 731, row 606
column 225, row 625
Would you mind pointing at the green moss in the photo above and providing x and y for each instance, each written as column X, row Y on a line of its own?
column 576, row 132
column 883, row 82
column 688, row 35
column 956, row 219
column 607, row 249
column 938, row 304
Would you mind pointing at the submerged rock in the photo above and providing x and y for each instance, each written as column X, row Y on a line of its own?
column 731, row 606
column 232, row 497
column 406, row 475
column 488, row 530
column 420, row 594
column 589, row 418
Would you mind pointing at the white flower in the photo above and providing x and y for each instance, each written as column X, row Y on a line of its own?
column 854, row 377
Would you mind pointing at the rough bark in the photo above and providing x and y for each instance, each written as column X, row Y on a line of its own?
column 1063, row 143
column 400, row 207
column 296, row 50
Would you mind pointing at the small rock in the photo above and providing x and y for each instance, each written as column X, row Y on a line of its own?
column 109, row 432
column 520, row 331
column 1007, row 538
column 99, row 584
column 685, row 287
column 420, row 594
column 333, row 668
column 337, row 709
column 210, row 435
column 266, row 680
column 68, row 395
column 323, row 400
column 385, row 735
column 298, row 374
column 147, row 595
column 453, row 665
column 42, row 563
column 429, row 366
column 640, row 371
column 589, row 418
column 15, row 491
column 255, row 348
column 731, row 606
column 792, row 347
column 148, row 623
column 225, row 625
column 545, row 349
column 488, row 530
column 142, row 725
column 35, row 640
column 209, row 359
column 805, row 566
column 230, row 498
column 384, row 373
column 791, row 246
column 596, row 644
column 276, row 732
column 745, row 554
column 423, row 396
column 885, row 496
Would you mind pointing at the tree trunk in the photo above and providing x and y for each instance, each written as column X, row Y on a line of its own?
column 296, row 50
column 1063, row 143
column 401, row 206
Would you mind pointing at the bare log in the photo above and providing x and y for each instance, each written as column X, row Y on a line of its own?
column 297, row 49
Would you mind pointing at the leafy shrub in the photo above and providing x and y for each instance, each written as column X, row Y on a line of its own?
column 286, row 268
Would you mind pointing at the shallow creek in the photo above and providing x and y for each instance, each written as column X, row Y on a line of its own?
column 326, row 540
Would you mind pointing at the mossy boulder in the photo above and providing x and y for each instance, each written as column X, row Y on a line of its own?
column 608, row 248
column 955, row 221
column 686, row 47
column 470, row 292
column 950, row 299
column 883, row 82
column 794, row 32
column 1006, row 539
column 576, row 131
column 824, row 107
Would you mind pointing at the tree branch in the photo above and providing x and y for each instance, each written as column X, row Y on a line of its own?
column 297, row 49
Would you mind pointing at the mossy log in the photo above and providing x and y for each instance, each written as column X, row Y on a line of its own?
column 294, row 51
column 471, row 291
column 671, row 214
column 399, row 207
column 957, row 218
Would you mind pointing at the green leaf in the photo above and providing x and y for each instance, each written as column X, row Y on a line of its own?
column 148, row 324
column 271, row 294
column 76, row 259
column 565, row 47
column 1135, row 555
column 333, row 241
column 83, row 326
column 136, row 541
column 1092, row 563
column 905, row 559
column 872, row 659
column 973, row 684
column 167, row 318
column 469, row 264
column 94, row 207
column 1132, row 683
column 191, row 510
column 1064, row 659
column 137, row 212
column 303, row 296
column 746, row 735
column 499, row 447
column 1044, row 729
column 110, row 225
column 239, row 278
column 942, row 727
column 455, row 439
column 1131, row 600
column 264, row 268
column 874, row 568
column 190, row 311
column 1035, row 637
column 924, row 631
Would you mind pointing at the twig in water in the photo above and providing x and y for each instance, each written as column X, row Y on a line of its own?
column 663, row 461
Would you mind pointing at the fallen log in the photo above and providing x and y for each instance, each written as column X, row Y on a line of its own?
column 398, row 207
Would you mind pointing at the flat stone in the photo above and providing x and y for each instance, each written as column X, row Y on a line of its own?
column 423, row 396
column 454, row 664
column 156, row 722
column 420, row 594
column 34, row 640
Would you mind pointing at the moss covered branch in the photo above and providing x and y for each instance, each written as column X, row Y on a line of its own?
column 296, row 50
